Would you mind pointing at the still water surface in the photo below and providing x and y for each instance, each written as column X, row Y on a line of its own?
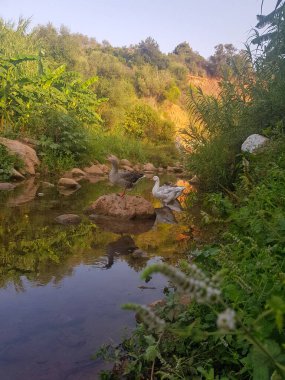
column 62, row 287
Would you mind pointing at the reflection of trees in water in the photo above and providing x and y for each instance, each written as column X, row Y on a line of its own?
column 33, row 247
column 42, row 254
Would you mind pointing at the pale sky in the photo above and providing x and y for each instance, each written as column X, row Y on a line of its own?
column 202, row 23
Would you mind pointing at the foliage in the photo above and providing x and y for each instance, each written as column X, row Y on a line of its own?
column 143, row 122
column 7, row 163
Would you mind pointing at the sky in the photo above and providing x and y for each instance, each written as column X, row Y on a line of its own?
column 202, row 23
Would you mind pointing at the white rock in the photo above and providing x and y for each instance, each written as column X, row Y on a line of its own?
column 253, row 142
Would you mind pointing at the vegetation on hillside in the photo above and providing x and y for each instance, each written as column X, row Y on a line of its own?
column 223, row 314
column 72, row 93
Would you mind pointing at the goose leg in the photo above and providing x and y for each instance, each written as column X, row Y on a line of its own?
column 124, row 192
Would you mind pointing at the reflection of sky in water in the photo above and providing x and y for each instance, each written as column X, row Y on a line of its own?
column 58, row 318
column 47, row 331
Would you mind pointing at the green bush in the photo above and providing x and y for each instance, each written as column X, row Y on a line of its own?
column 143, row 122
column 7, row 163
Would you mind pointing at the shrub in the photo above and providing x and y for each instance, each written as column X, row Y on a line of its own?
column 7, row 163
column 142, row 121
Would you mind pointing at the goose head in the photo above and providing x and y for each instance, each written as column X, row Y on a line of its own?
column 155, row 178
column 113, row 159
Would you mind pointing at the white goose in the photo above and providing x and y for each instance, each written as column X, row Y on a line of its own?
column 166, row 193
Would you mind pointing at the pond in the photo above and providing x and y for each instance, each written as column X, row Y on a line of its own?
column 62, row 287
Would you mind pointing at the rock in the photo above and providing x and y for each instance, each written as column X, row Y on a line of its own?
column 40, row 194
column 125, row 162
column 149, row 167
column 253, row 143
column 139, row 253
column 76, row 172
column 137, row 168
column 68, row 219
column 128, row 168
column 26, row 153
column 68, row 183
column 46, row 184
column 170, row 168
column 160, row 170
column 66, row 191
column 16, row 175
column 6, row 186
column 129, row 207
column 105, row 168
column 94, row 170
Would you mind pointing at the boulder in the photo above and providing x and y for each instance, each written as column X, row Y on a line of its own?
column 94, row 170
column 76, row 172
column 125, row 162
column 105, row 168
column 68, row 219
column 149, row 167
column 26, row 153
column 128, row 207
column 6, row 186
column 253, row 143
column 68, row 183
column 137, row 168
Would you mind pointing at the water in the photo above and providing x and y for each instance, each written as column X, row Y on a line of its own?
column 62, row 287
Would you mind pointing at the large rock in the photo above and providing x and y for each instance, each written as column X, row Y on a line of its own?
column 253, row 143
column 128, row 207
column 125, row 162
column 77, row 173
column 149, row 167
column 27, row 154
column 68, row 219
column 94, row 170
column 68, row 183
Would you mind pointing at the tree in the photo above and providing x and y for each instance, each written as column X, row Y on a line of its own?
column 150, row 52
column 220, row 62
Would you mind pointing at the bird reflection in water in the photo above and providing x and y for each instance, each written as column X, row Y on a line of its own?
column 126, row 246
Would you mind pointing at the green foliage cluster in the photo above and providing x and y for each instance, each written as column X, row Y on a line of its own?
column 143, row 122
column 7, row 163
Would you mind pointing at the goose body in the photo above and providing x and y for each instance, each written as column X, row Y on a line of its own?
column 166, row 193
column 123, row 178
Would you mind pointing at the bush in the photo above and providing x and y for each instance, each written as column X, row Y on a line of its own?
column 143, row 122
column 64, row 142
column 7, row 163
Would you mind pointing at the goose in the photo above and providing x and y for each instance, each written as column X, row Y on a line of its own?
column 166, row 193
column 122, row 178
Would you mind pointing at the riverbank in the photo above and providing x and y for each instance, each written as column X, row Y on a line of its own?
column 245, row 262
